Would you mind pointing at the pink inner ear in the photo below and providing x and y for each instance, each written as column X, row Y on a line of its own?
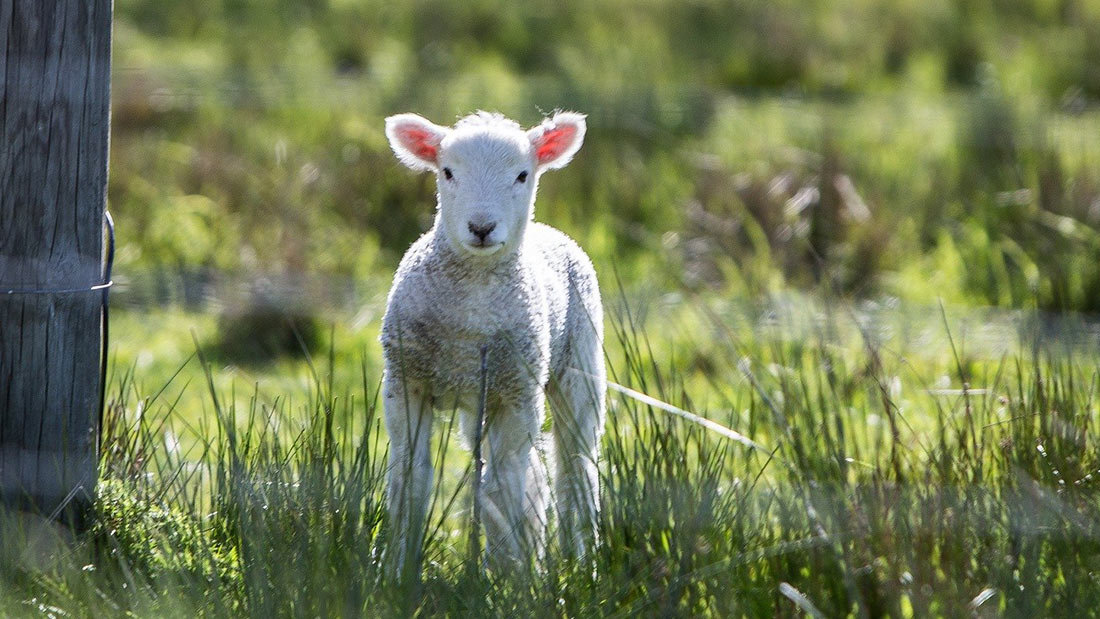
column 554, row 142
column 420, row 142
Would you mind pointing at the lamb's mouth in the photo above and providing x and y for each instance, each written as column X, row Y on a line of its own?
column 483, row 248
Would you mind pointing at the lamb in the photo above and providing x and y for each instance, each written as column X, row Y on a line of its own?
column 487, row 275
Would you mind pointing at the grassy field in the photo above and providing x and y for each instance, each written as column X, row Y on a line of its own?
column 864, row 236
column 927, row 464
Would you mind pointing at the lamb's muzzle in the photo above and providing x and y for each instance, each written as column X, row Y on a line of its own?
column 481, row 231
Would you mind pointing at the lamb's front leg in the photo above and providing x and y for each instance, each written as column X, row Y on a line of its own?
column 515, row 495
column 408, row 416
column 577, row 404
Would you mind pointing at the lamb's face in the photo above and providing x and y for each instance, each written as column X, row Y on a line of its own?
column 486, row 180
column 487, row 169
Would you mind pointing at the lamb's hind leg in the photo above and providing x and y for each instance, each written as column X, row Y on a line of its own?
column 514, row 498
column 577, row 405
column 408, row 416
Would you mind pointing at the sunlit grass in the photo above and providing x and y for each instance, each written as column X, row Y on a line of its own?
column 907, row 465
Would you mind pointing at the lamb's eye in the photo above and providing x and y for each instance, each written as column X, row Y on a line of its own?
column 448, row 174
column 522, row 178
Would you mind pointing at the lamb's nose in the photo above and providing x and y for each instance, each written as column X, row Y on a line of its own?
column 481, row 231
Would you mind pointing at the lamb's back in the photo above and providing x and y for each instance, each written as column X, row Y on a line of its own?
column 572, row 289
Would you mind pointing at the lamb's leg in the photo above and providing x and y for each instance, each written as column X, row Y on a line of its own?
column 577, row 405
column 408, row 419
column 514, row 499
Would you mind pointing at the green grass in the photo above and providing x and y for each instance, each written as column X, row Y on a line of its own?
column 909, row 465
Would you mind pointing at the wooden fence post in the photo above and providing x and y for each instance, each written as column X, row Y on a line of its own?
column 55, row 58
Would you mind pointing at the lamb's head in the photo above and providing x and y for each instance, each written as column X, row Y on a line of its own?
column 487, row 169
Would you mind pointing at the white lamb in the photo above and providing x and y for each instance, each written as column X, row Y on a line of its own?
column 487, row 275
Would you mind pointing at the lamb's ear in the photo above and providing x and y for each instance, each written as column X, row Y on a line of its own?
column 557, row 139
column 415, row 140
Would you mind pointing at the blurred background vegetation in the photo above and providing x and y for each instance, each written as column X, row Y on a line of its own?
column 815, row 222
column 916, row 150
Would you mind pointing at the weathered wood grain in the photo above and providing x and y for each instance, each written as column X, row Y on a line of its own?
column 54, row 133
